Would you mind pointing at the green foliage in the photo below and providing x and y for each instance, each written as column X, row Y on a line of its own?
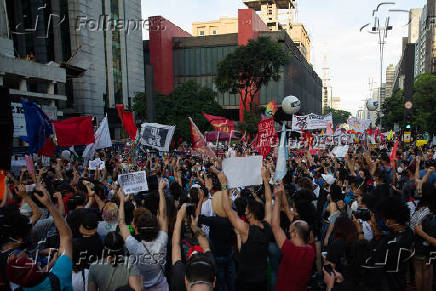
column 251, row 118
column 187, row 100
column 393, row 110
column 249, row 67
column 339, row 116
column 424, row 103
column 424, row 106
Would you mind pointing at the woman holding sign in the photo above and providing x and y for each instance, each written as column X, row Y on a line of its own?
column 148, row 245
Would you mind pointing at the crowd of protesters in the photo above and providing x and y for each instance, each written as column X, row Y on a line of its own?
column 363, row 222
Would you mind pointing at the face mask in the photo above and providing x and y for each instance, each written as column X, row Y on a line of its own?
column 400, row 170
column 109, row 181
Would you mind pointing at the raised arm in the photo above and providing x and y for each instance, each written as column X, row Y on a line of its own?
column 61, row 206
column 65, row 234
column 176, row 254
column 36, row 214
column 268, row 195
column 162, row 216
column 199, row 234
column 237, row 223
column 278, row 232
column 124, row 230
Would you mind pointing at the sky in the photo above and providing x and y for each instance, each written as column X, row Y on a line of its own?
column 334, row 29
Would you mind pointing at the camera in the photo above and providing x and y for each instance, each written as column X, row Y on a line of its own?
column 363, row 214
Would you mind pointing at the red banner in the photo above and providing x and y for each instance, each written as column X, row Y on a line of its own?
column 198, row 142
column 267, row 136
column 220, row 123
column 74, row 131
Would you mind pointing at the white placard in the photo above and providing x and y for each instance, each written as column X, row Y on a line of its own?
column 340, row 151
column 243, row 171
column 97, row 163
column 133, row 182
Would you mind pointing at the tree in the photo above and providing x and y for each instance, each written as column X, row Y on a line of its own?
column 187, row 100
column 424, row 105
column 393, row 110
column 424, row 100
column 339, row 116
column 249, row 67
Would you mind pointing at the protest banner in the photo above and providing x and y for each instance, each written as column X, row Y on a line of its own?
column 267, row 136
column 358, row 125
column 157, row 135
column 311, row 121
column 29, row 164
column 243, row 171
column 133, row 182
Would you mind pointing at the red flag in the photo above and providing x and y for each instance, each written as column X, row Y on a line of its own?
column 198, row 142
column 127, row 121
column 49, row 148
column 74, row 131
column 394, row 151
column 267, row 136
column 220, row 123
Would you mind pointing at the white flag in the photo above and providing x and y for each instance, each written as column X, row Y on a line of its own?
column 103, row 136
column 102, row 140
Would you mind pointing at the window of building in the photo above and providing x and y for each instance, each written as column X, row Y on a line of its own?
column 201, row 32
column 214, row 32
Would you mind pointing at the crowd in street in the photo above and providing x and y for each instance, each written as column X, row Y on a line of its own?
column 363, row 222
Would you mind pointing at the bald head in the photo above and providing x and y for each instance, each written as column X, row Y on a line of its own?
column 302, row 230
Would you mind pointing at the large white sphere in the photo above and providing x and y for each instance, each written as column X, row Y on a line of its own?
column 291, row 104
column 372, row 105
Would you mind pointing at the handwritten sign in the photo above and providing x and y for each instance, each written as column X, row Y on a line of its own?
column 243, row 171
column 133, row 182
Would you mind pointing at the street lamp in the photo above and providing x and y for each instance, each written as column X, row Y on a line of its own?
column 382, row 32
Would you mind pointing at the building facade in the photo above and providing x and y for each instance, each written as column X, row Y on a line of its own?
column 420, row 47
column 103, row 57
column 414, row 21
column 390, row 76
column 185, row 57
column 224, row 25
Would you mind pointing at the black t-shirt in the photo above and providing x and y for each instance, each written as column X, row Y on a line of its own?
column 253, row 255
column 177, row 281
column 336, row 253
column 86, row 250
column 74, row 219
column 221, row 234
column 389, row 259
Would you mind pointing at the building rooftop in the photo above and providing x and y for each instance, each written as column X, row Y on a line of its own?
column 281, row 4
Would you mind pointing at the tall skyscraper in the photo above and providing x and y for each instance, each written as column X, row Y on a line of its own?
column 420, row 47
column 390, row 77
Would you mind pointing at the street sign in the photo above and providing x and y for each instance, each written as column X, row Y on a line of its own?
column 408, row 105
column 407, row 136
